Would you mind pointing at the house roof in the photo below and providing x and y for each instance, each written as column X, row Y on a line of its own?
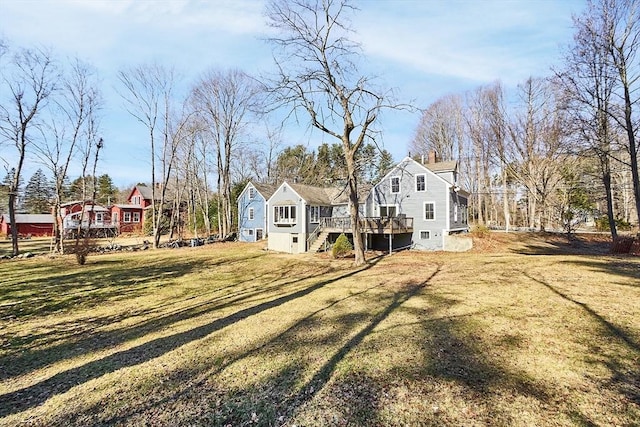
column 145, row 191
column 313, row 195
column 442, row 166
column 30, row 219
column 266, row 190
column 127, row 206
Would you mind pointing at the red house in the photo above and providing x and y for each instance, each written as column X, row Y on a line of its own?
column 29, row 225
column 95, row 218
column 130, row 217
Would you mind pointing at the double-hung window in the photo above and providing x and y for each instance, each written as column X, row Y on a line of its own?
column 284, row 214
column 136, row 217
column 395, row 184
column 127, row 216
column 252, row 192
column 421, row 182
column 429, row 211
column 388, row 211
column 314, row 214
column 251, row 214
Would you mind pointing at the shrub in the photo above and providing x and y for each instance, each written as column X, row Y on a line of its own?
column 480, row 231
column 341, row 247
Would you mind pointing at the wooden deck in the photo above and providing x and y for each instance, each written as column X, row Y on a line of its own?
column 371, row 225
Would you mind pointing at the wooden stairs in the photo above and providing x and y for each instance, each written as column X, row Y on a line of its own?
column 319, row 242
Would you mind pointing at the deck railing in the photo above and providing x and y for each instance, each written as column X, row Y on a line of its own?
column 371, row 225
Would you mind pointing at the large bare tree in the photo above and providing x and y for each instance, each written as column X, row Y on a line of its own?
column 29, row 80
column 227, row 102
column 148, row 92
column 319, row 74
column 72, row 122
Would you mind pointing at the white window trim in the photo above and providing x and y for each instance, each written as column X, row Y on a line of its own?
column 285, row 221
column 126, row 217
column 314, row 219
column 424, row 211
column 387, row 206
column 424, row 175
column 391, row 185
column 136, row 216
column 251, row 214
column 252, row 193
column 425, row 231
column 455, row 212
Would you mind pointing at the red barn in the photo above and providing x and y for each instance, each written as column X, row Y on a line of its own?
column 29, row 225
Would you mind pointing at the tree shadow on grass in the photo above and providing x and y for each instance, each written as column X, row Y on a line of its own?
column 626, row 267
column 560, row 244
column 626, row 380
column 82, row 339
column 29, row 397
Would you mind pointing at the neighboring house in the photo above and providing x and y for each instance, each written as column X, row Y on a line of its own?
column 130, row 217
column 29, row 225
column 253, row 212
column 430, row 195
column 87, row 216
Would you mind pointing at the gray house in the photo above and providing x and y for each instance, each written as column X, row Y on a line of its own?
column 428, row 194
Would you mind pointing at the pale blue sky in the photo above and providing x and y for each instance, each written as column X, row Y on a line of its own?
column 424, row 49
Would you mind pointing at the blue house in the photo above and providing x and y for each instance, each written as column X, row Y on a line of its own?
column 253, row 211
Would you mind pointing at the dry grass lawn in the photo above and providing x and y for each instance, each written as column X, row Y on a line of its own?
column 526, row 330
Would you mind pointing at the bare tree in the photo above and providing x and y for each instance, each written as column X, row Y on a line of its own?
column 589, row 82
column 226, row 103
column 70, row 123
column 621, row 19
column 29, row 80
column 318, row 74
column 441, row 129
column 148, row 94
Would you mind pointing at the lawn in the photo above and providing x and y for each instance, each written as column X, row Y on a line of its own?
column 519, row 332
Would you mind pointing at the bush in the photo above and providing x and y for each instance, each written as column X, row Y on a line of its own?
column 602, row 224
column 480, row 231
column 341, row 247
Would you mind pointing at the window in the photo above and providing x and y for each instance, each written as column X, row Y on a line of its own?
column 127, row 216
column 455, row 212
column 421, row 182
column 115, row 217
column 251, row 215
column 314, row 214
column 425, row 234
column 387, row 211
column 99, row 217
column 284, row 214
column 136, row 217
column 250, row 232
column 429, row 211
column 395, row 184
column 252, row 192
column 136, row 200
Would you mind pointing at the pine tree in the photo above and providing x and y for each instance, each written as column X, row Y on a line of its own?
column 107, row 192
column 38, row 194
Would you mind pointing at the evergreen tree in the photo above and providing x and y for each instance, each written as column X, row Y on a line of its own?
column 107, row 192
column 38, row 194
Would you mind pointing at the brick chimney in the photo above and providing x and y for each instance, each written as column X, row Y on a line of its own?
column 432, row 158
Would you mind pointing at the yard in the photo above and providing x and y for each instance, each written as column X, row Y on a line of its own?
column 532, row 332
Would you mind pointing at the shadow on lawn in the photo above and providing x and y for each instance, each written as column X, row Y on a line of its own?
column 82, row 339
column 29, row 397
column 624, row 379
column 560, row 244
column 623, row 266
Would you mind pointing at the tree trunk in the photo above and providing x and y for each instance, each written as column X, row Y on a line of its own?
column 354, row 213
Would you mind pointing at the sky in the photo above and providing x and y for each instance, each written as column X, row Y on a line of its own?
column 422, row 49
